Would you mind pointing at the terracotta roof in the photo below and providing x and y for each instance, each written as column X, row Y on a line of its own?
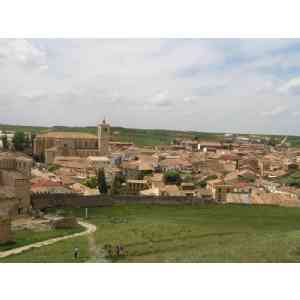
column 67, row 135
column 44, row 182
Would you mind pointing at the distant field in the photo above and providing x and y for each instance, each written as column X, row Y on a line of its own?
column 140, row 137
column 211, row 233
column 144, row 137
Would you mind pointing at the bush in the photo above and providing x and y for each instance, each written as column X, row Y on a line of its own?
column 52, row 168
column 172, row 177
column 90, row 182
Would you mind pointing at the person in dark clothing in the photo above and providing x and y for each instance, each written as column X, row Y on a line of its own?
column 76, row 253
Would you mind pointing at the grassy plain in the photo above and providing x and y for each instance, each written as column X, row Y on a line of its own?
column 210, row 233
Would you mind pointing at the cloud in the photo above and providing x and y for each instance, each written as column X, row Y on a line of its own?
column 275, row 111
column 161, row 99
column 292, row 86
column 207, row 84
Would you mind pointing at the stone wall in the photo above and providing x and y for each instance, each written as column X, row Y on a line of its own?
column 6, row 235
column 42, row 201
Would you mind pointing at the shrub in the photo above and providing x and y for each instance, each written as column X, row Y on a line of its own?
column 90, row 182
column 172, row 177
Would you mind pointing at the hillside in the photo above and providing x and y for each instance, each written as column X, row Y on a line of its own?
column 144, row 137
column 140, row 137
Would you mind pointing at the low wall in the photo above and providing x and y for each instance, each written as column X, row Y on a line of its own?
column 42, row 201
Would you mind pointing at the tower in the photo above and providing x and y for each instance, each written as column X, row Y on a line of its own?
column 103, row 138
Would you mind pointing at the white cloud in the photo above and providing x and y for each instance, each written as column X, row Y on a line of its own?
column 161, row 99
column 292, row 86
column 275, row 111
column 211, row 85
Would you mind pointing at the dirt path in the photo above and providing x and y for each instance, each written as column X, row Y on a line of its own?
column 90, row 230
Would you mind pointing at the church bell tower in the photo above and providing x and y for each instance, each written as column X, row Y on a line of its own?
column 103, row 138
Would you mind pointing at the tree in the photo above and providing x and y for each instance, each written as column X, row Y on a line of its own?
column 27, row 142
column 116, row 188
column 172, row 177
column 33, row 135
column 19, row 140
column 4, row 142
column 101, row 182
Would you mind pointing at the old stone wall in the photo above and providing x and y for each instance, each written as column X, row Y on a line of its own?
column 42, row 201
column 6, row 235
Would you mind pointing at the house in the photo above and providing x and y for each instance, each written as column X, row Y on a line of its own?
column 176, row 164
column 188, row 189
column 84, row 190
column 98, row 162
column 219, row 189
column 135, row 186
column 241, row 198
column 170, row 190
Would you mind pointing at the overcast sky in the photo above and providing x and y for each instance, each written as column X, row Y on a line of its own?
column 231, row 85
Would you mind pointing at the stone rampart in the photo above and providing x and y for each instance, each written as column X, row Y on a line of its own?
column 45, row 200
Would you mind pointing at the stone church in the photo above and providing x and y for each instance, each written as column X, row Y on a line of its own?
column 52, row 144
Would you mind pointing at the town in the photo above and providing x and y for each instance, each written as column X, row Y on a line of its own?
column 236, row 169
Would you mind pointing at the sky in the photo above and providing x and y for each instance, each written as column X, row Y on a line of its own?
column 214, row 85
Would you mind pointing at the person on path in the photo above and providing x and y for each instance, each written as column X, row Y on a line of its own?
column 76, row 253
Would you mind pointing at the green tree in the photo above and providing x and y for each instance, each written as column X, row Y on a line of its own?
column 33, row 135
column 4, row 142
column 101, row 182
column 19, row 140
column 27, row 142
column 172, row 177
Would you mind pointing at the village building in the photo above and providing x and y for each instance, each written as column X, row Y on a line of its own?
column 135, row 186
column 219, row 189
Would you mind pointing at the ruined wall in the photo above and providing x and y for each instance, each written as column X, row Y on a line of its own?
column 41, row 201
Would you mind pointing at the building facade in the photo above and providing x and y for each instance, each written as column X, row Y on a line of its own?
column 51, row 144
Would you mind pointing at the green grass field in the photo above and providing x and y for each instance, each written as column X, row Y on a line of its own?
column 211, row 233
column 27, row 237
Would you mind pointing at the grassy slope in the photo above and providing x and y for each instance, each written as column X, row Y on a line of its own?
column 188, row 234
column 57, row 253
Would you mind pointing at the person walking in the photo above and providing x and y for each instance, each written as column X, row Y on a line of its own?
column 76, row 253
